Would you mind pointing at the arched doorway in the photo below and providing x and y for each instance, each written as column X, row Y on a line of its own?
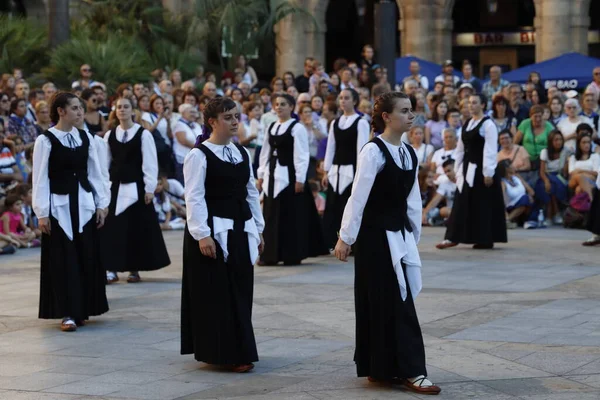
column 343, row 38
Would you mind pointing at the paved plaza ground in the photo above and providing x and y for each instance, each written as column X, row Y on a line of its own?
column 521, row 321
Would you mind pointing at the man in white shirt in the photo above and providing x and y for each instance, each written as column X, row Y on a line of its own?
column 415, row 75
column 432, row 215
column 447, row 70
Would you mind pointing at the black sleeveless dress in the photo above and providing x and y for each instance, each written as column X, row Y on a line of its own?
column 133, row 240
column 216, row 301
column 72, row 280
column 345, row 154
column 293, row 228
column 477, row 215
column 389, row 343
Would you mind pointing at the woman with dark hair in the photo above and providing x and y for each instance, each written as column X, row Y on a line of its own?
column 478, row 212
column 143, row 103
column 347, row 135
column 501, row 118
column 249, row 74
column 383, row 221
column 536, row 79
column 158, row 123
column 584, row 164
column 4, row 109
column 551, row 188
column 289, row 79
column 277, row 85
column 293, row 229
column 192, row 98
column 18, row 123
column 557, row 108
column 94, row 121
column 70, row 202
column 436, row 125
column 135, row 242
column 223, row 239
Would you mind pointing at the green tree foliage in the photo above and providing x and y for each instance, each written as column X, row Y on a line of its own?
column 114, row 60
column 23, row 44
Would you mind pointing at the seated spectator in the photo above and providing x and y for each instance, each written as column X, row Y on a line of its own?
column 10, row 175
column 501, row 118
column 454, row 121
column 557, row 108
column 366, row 108
column 423, row 150
column 420, row 109
column 533, row 134
column 518, row 197
column 589, row 105
column 426, row 177
column 184, row 139
column 440, row 156
column 583, row 166
column 432, row 215
column 551, row 188
column 13, row 223
column 176, row 193
column 517, row 155
column 320, row 202
column 568, row 126
column 19, row 124
column 162, row 206
column 42, row 112
column 435, row 126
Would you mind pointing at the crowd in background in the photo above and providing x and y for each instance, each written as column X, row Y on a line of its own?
column 548, row 149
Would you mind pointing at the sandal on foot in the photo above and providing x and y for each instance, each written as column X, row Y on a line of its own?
column 445, row 245
column 134, row 277
column 422, row 385
column 68, row 325
column 591, row 241
column 242, row 368
column 111, row 277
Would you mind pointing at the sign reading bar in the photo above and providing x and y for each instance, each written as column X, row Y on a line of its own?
column 524, row 38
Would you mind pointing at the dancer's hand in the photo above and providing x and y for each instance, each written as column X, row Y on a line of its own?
column 261, row 245
column 488, row 180
column 259, row 184
column 342, row 250
column 101, row 217
column 208, row 247
column 324, row 181
column 299, row 187
column 44, row 225
column 148, row 198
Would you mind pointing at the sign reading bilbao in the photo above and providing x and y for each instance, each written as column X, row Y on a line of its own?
column 524, row 38
column 562, row 83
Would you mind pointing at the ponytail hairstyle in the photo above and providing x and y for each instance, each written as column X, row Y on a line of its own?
column 59, row 100
column 355, row 96
column 384, row 104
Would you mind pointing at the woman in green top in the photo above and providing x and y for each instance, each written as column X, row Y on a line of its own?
column 533, row 133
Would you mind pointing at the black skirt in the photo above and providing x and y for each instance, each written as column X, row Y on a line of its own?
column 216, row 302
column 133, row 240
column 593, row 224
column 72, row 279
column 478, row 215
column 389, row 343
column 293, row 228
column 334, row 211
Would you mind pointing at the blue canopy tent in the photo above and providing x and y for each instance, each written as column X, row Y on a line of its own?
column 428, row 69
column 569, row 71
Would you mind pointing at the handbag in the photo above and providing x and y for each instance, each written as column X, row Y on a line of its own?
column 581, row 202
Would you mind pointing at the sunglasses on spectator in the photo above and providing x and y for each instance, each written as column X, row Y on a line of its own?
column 86, row 70
column 596, row 73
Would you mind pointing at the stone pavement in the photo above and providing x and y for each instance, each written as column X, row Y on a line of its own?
column 521, row 321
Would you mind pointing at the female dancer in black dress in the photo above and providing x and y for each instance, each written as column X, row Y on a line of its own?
column 293, row 229
column 347, row 135
column 71, row 202
column 134, row 241
column 223, row 239
column 478, row 215
column 383, row 221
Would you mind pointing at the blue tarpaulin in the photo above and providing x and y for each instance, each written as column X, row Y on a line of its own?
column 569, row 71
column 428, row 69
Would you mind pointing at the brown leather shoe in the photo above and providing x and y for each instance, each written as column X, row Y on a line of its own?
column 68, row 325
column 445, row 245
column 591, row 242
column 242, row 368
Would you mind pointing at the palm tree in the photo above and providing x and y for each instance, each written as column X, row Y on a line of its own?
column 243, row 25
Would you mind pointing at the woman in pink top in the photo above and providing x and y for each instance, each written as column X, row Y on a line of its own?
column 13, row 223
